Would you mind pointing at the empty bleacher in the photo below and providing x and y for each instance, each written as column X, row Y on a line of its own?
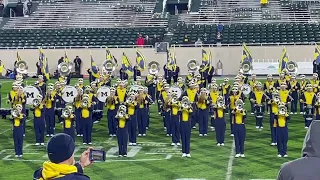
column 90, row 14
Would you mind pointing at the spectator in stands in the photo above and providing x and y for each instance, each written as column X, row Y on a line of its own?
column 155, row 39
column 1, row 8
column 19, row 9
column 140, row 41
column 62, row 164
column 77, row 65
column 147, row 40
column 29, row 5
column 198, row 43
column 186, row 39
column 205, row 38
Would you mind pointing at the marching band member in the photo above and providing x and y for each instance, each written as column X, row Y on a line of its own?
column 203, row 70
column 203, row 111
column 315, row 82
column 191, row 93
column 150, row 101
column 235, row 95
column 258, row 99
column 210, row 74
column 174, row 121
column 159, row 89
column 165, row 110
column 77, row 104
column 60, row 103
column 281, row 80
column 136, row 72
column 220, row 121
column 317, row 106
column 111, row 104
column 185, row 125
column 132, row 105
column 269, row 87
column 18, row 132
column 42, row 85
column 138, row 81
column 122, row 132
column 20, row 98
column 68, row 125
column 180, row 83
column 12, row 95
column 49, row 115
column 308, row 98
column 274, row 102
column 200, row 81
column 175, row 73
column 167, row 73
column 214, row 94
column 294, row 89
column 284, row 94
column 142, row 112
column 121, row 92
column 80, row 83
column 252, row 84
column 97, row 106
column 239, row 128
column 151, row 84
column 303, row 84
column 190, row 77
column 39, row 121
column 282, row 130
column 86, row 118
column 225, row 90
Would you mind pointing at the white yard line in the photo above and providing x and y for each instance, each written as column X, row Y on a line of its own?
column 230, row 163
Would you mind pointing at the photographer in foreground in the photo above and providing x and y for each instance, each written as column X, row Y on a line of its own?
column 62, row 165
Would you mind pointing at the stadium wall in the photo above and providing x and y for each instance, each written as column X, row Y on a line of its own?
column 229, row 56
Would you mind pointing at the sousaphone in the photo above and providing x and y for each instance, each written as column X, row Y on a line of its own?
column 64, row 68
column 108, row 66
column 193, row 66
column 153, row 67
column 246, row 67
column 22, row 67
column 292, row 67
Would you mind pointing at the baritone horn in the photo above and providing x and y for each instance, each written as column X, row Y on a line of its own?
column 22, row 67
column 36, row 102
column 220, row 102
column 84, row 102
column 185, row 103
column 121, row 113
column 239, row 105
column 64, row 68
column 292, row 67
column 153, row 67
column 282, row 109
column 246, row 66
column 15, row 112
column 108, row 66
column 193, row 66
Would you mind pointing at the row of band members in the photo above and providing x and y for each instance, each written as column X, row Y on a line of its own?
column 142, row 114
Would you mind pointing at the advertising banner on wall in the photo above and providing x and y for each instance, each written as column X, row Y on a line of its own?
column 263, row 68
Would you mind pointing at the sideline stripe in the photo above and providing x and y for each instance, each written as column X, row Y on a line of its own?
column 230, row 163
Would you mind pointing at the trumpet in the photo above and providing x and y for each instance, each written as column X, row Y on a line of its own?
column 36, row 102
column 121, row 113
column 185, row 104
column 276, row 98
column 282, row 109
column 66, row 112
column 15, row 112
column 84, row 103
column 130, row 100
column 220, row 102
column 239, row 105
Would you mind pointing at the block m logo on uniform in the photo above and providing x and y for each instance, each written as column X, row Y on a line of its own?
column 30, row 94
column 69, row 93
column 104, row 94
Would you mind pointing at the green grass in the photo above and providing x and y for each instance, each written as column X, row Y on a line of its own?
column 208, row 161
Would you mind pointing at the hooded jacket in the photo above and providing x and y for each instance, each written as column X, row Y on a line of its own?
column 60, row 172
column 306, row 167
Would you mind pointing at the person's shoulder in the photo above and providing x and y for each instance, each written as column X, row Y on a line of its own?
column 74, row 176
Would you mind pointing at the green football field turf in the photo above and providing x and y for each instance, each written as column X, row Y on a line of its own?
column 154, row 158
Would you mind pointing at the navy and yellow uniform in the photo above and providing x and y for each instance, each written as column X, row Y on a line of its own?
column 149, row 82
column 86, row 118
column 269, row 87
column 225, row 89
column 279, row 82
column 214, row 96
column 232, row 99
column 142, row 113
column 315, row 85
column 294, row 89
column 258, row 100
column 284, row 96
column 132, row 123
column 121, row 93
column 60, row 104
column 43, row 88
column 309, row 99
column 18, row 134
column 193, row 98
column 252, row 84
column 12, row 97
column 165, row 111
column 185, row 129
column 203, row 105
column 220, row 125
column 77, row 113
column 273, row 121
column 174, row 122
column 111, row 104
column 159, row 88
column 49, row 116
column 122, row 135
column 39, row 123
column 239, row 130
column 282, row 133
column 68, row 126
column 303, row 84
